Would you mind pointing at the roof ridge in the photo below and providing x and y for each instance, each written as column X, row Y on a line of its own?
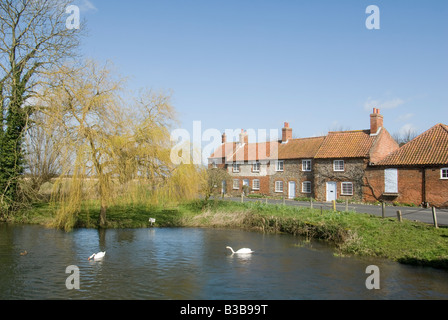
column 444, row 126
column 308, row 138
column 349, row 131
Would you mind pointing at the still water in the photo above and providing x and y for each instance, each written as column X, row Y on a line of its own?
column 194, row 264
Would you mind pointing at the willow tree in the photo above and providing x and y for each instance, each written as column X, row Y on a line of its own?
column 83, row 102
column 113, row 147
column 33, row 39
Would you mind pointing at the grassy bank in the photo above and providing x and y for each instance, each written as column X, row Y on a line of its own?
column 351, row 233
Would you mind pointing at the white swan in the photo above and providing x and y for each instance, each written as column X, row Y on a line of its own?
column 242, row 250
column 97, row 256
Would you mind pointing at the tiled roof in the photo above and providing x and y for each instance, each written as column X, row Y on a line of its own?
column 224, row 150
column 429, row 148
column 346, row 144
column 255, row 151
column 300, row 148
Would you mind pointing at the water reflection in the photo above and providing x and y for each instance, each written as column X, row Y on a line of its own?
column 195, row 264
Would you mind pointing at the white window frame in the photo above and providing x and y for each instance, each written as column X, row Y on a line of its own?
column 256, row 184
column 444, row 173
column 337, row 165
column 343, row 193
column 235, row 167
column 279, row 165
column 306, row 187
column 306, row 165
column 214, row 164
column 237, row 182
column 256, row 167
column 279, row 186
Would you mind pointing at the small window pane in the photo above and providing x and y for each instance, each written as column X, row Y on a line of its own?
column 347, row 188
column 306, row 165
column 338, row 165
column 278, row 186
column 279, row 166
column 444, row 173
column 256, row 184
column 306, row 187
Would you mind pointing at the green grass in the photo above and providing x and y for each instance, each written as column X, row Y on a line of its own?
column 351, row 233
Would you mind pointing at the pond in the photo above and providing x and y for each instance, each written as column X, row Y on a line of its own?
column 194, row 264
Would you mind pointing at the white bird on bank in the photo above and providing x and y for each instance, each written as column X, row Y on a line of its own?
column 242, row 250
column 97, row 256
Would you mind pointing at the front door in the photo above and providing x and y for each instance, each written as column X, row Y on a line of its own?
column 331, row 191
column 291, row 190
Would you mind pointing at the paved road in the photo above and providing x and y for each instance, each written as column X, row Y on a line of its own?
column 410, row 213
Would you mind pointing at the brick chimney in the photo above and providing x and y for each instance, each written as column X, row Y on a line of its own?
column 244, row 138
column 224, row 138
column 376, row 121
column 286, row 132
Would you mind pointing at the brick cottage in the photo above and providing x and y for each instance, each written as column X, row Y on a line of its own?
column 341, row 165
column 417, row 173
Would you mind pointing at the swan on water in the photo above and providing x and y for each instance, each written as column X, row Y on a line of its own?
column 242, row 250
column 97, row 256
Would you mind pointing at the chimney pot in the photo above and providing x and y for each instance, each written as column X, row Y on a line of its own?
column 224, row 138
column 376, row 121
column 244, row 138
column 286, row 132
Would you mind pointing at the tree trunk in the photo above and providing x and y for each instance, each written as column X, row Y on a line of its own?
column 102, row 218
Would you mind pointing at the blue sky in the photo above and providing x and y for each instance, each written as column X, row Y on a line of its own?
column 258, row 63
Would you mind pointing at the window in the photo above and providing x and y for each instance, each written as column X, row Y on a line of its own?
column 236, row 184
column 256, row 184
column 444, row 173
column 278, row 186
column 306, row 165
column 338, row 165
column 279, row 166
column 391, row 181
column 214, row 164
column 236, row 167
column 347, row 188
column 256, row 167
column 306, row 187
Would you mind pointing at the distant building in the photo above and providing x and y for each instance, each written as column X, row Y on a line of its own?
column 355, row 164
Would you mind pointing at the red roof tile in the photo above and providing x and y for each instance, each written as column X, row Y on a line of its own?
column 300, row 148
column 429, row 148
column 346, row 144
column 224, row 150
column 255, row 151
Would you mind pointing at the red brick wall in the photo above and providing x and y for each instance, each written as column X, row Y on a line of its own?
column 410, row 186
column 383, row 146
column 436, row 188
column 264, row 185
